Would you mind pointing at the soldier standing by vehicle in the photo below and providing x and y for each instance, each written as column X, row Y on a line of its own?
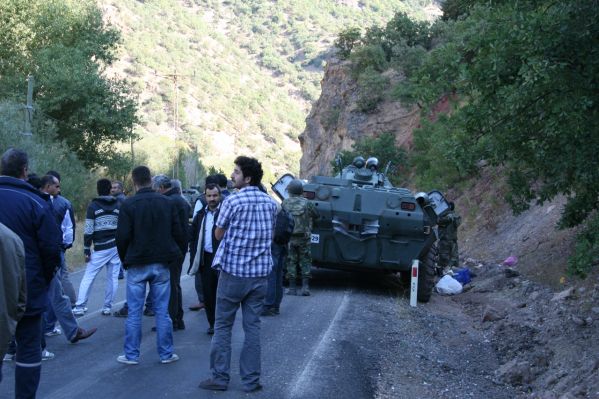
column 448, row 239
column 303, row 212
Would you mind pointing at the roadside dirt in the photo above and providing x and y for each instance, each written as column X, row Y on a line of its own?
column 504, row 337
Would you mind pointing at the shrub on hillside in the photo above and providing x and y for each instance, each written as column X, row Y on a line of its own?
column 371, row 86
column 586, row 250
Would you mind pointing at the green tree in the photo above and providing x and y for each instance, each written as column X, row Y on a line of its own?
column 347, row 40
column 66, row 45
column 372, row 87
column 525, row 74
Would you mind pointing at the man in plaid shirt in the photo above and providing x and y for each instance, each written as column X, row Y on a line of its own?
column 245, row 226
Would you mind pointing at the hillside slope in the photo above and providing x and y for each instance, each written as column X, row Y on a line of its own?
column 246, row 72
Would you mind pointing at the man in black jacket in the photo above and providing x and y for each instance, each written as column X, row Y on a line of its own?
column 163, row 185
column 149, row 236
column 202, row 247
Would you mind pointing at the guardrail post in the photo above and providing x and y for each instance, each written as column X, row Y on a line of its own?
column 414, row 283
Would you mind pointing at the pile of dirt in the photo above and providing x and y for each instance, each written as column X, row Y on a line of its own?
column 546, row 341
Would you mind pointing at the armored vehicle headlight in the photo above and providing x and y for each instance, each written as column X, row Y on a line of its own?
column 323, row 193
column 408, row 206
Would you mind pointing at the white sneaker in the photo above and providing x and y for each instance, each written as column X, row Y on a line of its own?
column 171, row 359
column 123, row 359
column 54, row 332
column 79, row 310
column 9, row 357
column 47, row 355
column 106, row 311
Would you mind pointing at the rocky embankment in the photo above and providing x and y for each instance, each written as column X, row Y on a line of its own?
column 504, row 337
column 547, row 341
column 335, row 122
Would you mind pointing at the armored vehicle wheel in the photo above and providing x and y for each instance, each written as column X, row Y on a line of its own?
column 426, row 275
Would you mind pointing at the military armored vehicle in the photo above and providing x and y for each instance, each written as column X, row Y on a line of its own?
column 366, row 224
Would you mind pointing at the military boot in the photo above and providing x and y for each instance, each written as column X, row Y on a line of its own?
column 305, row 287
column 292, row 290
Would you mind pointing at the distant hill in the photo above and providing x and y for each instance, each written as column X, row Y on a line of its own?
column 246, row 72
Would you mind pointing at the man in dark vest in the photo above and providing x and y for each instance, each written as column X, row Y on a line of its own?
column 202, row 248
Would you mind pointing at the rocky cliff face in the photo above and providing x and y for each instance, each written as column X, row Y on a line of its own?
column 335, row 122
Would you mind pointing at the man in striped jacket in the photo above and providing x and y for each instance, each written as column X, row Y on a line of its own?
column 100, row 229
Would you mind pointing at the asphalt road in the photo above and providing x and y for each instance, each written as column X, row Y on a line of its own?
column 311, row 350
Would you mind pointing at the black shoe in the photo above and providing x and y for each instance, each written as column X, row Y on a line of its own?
column 197, row 306
column 269, row 312
column 211, row 385
column 149, row 312
column 180, row 325
column 122, row 312
column 210, row 331
column 83, row 334
column 253, row 388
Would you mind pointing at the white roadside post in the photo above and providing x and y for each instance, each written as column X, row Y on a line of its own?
column 414, row 283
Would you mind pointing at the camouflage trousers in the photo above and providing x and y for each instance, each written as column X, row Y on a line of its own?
column 448, row 253
column 299, row 256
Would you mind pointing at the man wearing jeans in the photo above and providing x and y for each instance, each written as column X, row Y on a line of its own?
column 100, row 229
column 148, row 237
column 245, row 226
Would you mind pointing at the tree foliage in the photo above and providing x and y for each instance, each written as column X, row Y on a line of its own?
column 402, row 44
column 347, row 40
column 525, row 74
column 66, row 46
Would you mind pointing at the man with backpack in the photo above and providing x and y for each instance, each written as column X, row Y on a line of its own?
column 274, row 292
column 303, row 212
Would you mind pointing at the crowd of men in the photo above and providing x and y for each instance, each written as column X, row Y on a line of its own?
column 238, row 247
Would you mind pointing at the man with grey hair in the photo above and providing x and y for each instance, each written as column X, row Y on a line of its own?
column 164, row 185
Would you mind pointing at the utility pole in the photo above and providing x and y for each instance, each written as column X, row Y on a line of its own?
column 29, row 107
column 175, row 77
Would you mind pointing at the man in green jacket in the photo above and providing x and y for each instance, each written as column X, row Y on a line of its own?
column 13, row 296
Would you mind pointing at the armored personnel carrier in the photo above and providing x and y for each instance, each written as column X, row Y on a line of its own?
column 366, row 224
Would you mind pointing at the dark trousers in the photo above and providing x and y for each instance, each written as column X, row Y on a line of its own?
column 29, row 356
column 274, row 291
column 209, row 285
column 175, row 301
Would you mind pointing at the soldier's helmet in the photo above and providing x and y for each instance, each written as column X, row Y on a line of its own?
column 372, row 163
column 295, row 187
column 359, row 162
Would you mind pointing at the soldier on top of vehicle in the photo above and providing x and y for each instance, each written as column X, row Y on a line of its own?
column 303, row 212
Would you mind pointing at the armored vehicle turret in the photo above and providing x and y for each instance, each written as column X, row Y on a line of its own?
column 366, row 224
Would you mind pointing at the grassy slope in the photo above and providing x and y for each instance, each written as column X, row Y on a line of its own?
column 251, row 70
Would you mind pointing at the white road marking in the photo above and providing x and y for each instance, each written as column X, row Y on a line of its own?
column 303, row 383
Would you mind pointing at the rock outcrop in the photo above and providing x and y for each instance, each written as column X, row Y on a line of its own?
column 335, row 122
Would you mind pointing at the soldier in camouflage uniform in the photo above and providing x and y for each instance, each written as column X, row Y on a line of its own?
column 303, row 212
column 448, row 239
